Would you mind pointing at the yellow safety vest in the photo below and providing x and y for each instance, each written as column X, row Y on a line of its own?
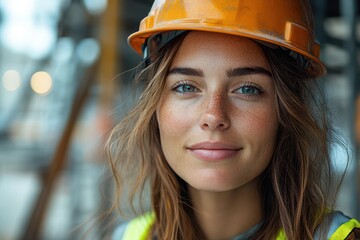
column 139, row 228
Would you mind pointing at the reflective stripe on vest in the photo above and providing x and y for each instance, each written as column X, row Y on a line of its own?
column 344, row 229
column 340, row 227
column 136, row 229
column 139, row 228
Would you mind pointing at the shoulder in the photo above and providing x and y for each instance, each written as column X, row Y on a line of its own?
column 340, row 226
column 135, row 229
column 343, row 227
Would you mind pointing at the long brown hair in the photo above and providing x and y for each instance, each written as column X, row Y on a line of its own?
column 295, row 187
column 298, row 187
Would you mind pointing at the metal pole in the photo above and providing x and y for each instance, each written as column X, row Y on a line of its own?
column 348, row 12
column 111, row 27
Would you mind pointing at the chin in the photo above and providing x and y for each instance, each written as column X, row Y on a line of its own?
column 216, row 185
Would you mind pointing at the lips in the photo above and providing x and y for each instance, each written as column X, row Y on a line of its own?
column 213, row 151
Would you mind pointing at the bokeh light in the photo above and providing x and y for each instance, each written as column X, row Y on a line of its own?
column 95, row 7
column 41, row 82
column 27, row 29
column 88, row 51
column 11, row 80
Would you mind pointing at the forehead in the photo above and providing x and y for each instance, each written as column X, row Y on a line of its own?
column 208, row 46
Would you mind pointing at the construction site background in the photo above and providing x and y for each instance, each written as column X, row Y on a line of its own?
column 63, row 67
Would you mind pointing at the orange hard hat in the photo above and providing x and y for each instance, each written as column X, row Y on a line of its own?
column 284, row 23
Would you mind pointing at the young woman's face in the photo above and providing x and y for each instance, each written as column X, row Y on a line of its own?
column 216, row 116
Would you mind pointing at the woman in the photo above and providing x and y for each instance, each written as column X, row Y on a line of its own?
column 227, row 133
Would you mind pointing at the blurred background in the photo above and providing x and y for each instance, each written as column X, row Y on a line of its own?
column 63, row 64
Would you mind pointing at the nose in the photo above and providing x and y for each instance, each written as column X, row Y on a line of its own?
column 215, row 115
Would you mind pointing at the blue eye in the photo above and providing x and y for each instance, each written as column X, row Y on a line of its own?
column 249, row 90
column 185, row 88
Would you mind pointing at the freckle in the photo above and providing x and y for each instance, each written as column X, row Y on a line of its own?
column 219, row 96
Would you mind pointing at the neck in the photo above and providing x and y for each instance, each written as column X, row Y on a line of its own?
column 223, row 215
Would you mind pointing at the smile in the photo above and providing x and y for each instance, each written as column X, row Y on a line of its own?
column 213, row 151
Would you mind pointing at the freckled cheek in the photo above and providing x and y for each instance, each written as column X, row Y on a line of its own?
column 261, row 123
column 174, row 119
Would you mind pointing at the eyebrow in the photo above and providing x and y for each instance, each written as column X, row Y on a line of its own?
column 243, row 71
column 234, row 72
column 187, row 71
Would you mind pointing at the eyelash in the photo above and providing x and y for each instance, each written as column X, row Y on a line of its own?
column 183, row 84
column 258, row 90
